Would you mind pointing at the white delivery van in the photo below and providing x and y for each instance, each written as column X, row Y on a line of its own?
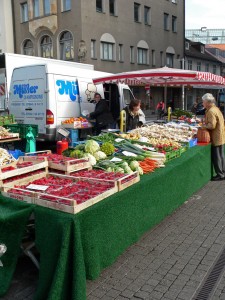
column 9, row 61
column 47, row 94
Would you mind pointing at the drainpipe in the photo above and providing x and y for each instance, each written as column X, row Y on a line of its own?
column 14, row 27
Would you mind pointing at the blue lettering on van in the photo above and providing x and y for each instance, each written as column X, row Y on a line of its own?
column 22, row 89
column 69, row 88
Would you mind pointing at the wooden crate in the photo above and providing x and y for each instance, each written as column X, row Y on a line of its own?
column 66, row 167
column 123, row 182
column 22, row 195
column 128, row 180
column 38, row 163
column 71, row 165
column 43, row 199
column 73, row 208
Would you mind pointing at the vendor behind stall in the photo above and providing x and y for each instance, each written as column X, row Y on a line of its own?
column 134, row 115
column 101, row 114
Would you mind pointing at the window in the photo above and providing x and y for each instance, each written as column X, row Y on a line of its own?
column 174, row 24
column 112, row 7
column 47, row 7
column 121, row 56
column 207, row 67
column 137, row 12
column 99, row 6
column 202, row 49
column 166, row 21
column 107, row 51
column 169, row 60
column 128, row 96
column 187, row 45
column 132, row 54
column 66, row 5
column 24, row 12
column 142, row 56
column 147, row 17
column 93, row 48
column 153, row 58
column 189, row 64
column 198, row 66
column 214, row 69
column 66, row 46
column 28, row 48
column 46, row 47
column 36, row 8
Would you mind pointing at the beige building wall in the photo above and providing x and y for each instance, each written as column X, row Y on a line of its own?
column 6, row 27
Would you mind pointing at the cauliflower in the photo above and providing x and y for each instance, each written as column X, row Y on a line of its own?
column 91, row 146
column 99, row 155
column 91, row 158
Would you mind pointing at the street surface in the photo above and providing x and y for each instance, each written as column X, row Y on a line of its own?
column 169, row 262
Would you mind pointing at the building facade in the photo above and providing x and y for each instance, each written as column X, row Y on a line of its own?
column 112, row 35
column 199, row 58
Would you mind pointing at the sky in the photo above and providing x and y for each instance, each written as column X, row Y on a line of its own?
column 200, row 13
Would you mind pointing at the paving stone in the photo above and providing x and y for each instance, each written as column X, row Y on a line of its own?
column 112, row 293
column 142, row 295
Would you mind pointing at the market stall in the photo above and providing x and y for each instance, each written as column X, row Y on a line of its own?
column 75, row 247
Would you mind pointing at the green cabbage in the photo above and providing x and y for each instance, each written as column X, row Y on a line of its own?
column 134, row 165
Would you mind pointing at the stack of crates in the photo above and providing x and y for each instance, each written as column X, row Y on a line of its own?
column 73, row 137
column 22, row 129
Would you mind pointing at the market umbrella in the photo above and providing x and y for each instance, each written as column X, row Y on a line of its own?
column 165, row 77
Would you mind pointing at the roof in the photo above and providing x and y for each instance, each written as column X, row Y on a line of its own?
column 195, row 51
column 218, row 46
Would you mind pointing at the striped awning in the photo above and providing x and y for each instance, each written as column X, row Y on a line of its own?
column 164, row 76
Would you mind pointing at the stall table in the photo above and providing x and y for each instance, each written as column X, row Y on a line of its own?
column 74, row 248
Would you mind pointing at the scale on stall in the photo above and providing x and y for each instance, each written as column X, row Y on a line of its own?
column 64, row 143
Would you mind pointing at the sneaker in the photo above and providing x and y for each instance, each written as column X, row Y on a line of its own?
column 217, row 178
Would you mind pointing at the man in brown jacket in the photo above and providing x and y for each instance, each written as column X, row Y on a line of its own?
column 214, row 122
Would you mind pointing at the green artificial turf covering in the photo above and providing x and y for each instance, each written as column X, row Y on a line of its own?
column 75, row 247
column 14, row 216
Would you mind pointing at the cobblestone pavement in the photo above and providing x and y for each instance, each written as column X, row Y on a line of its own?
column 169, row 262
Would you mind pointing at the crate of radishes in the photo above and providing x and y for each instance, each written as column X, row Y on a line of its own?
column 122, row 180
column 65, row 193
column 16, row 192
column 24, row 165
column 63, row 163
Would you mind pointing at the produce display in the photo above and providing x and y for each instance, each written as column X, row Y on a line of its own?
column 5, row 157
column 72, row 120
column 5, row 134
column 166, row 133
column 95, row 168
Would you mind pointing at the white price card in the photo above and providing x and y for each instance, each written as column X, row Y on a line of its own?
column 37, row 187
column 127, row 153
column 116, row 159
column 118, row 140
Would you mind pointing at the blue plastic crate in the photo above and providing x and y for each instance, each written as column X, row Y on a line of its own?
column 73, row 136
column 193, row 142
column 16, row 153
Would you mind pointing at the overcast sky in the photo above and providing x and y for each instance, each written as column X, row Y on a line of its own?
column 200, row 13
